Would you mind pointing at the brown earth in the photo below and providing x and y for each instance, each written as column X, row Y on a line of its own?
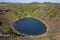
column 53, row 26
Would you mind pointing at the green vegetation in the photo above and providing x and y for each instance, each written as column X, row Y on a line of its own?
column 54, row 13
column 21, row 11
column 18, row 11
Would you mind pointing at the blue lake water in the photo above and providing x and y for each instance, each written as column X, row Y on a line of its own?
column 30, row 26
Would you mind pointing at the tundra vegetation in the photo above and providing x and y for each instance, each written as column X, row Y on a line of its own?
column 46, row 11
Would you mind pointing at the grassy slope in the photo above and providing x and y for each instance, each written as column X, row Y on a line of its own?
column 25, row 10
column 20, row 11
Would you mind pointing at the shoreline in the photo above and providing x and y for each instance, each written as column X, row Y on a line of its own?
column 38, row 20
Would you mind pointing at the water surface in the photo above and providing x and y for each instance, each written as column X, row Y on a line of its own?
column 30, row 26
